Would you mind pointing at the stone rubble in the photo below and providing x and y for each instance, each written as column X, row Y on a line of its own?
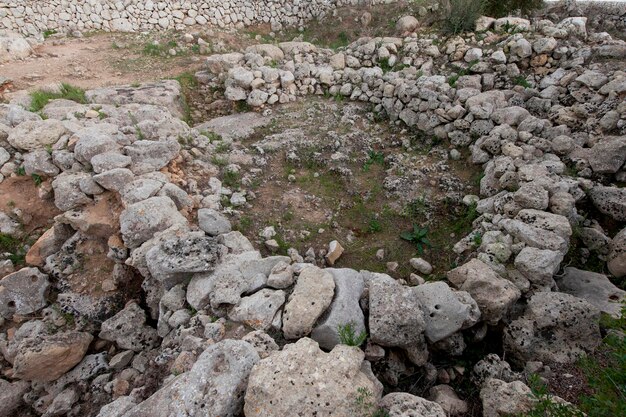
column 543, row 149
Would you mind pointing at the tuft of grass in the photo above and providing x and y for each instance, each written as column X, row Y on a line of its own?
column 231, row 179
column 348, row 336
column 14, row 247
column 374, row 157
column 20, row 171
column 520, row 80
column 37, row 179
column 39, row 98
column 545, row 405
column 48, row 33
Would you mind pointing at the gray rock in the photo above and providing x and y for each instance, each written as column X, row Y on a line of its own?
column 11, row 395
column 212, row 222
column 148, row 155
column 259, row 309
column 311, row 296
column 8, row 226
column 128, row 329
column 343, row 310
column 594, row 288
column 444, row 313
column 109, row 160
column 403, row 404
column 172, row 261
column 62, row 403
column 140, row 221
column 214, row 386
column 139, row 189
column 281, row 276
column 114, row 179
column 23, row 292
column 407, row 24
column 262, row 342
column 493, row 294
column 617, row 254
column 236, row 126
column 556, row 327
column 39, row 162
column 32, row 135
column 610, row 201
column 608, row 155
column 491, row 366
column 164, row 93
column 95, row 140
column 235, row 242
column 538, row 265
column 500, row 398
column 303, row 380
column 395, row 316
column 118, row 407
column 67, row 192
column 178, row 196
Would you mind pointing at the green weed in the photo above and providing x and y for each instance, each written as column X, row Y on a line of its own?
column 417, row 236
column 39, row 99
column 348, row 336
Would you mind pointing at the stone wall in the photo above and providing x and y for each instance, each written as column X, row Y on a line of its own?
column 34, row 16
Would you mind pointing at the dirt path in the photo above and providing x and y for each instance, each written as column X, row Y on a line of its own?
column 106, row 59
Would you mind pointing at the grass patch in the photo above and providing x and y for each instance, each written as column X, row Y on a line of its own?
column 348, row 335
column 39, row 98
column 520, row 80
column 48, row 33
column 231, row 179
column 14, row 247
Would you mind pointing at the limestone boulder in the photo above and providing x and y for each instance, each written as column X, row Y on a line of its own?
column 33, row 135
column 594, row 288
column 303, row 380
column 23, row 292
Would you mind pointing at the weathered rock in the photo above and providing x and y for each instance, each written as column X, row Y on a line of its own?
column 259, row 309
column 32, row 135
column 395, row 316
column 213, row 222
column 214, row 386
column 149, row 155
column 311, row 296
column 39, row 162
column 610, row 201
column 173, row 260
column 444, row 313
column 23, row 292
column 303, row 380
column 407, row 24
column 594, row 288
column 505, row 399
column 46, row 358
column 140, row 221
column 281, row 276
column 344, row 309
column 608, row 155
column 114, row 179
column 538, row 265
column 556, row 327
column 236, row 126
column 402, row 404
column 128, row 329
column 262, row 342
column 491, row 366
column 493, row 294
column 118, row 407
column 617, row 254
column 67, row 192
column 95, row 140
column 335, row 250
column 445, row 396
column 11, row 396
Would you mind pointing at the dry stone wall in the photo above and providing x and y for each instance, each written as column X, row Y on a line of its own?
column 35, row 16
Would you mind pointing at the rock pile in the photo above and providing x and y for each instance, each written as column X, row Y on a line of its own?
column 112, row 169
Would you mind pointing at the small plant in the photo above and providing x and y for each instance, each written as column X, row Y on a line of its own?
column 14, row 248
column 138, row 132
column 501, row 8
column 348, row 336
column 418, row 236
column 374, row 157
column 461, row 15
column 231, row 179
column 37, row 179
column 365, row 405
column 545, row 405
column 477, row 239
column 374, row 226
column 218, row 161
column 20, row 171
column 48, row 33
column 39, row 99
column 520, row 80
column 222, row 147
column 48, row 149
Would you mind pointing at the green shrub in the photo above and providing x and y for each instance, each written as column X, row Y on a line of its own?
column 462, row 14
column 501, row 8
